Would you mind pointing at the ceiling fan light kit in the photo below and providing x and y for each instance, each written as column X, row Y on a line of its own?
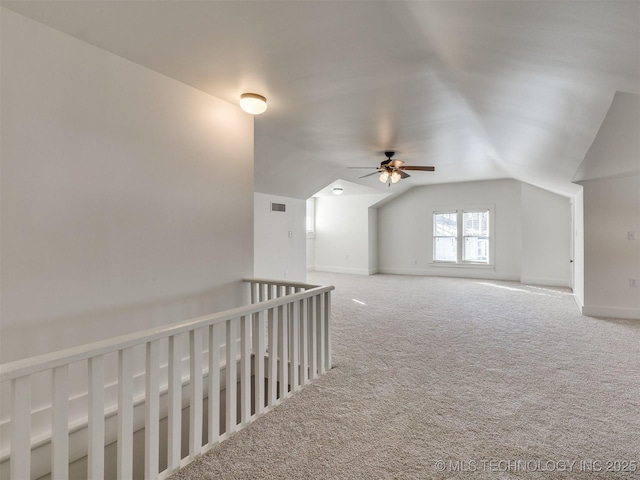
column 253, row 103
column 392, row 171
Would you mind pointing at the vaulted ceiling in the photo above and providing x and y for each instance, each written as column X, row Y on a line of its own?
column 479, row 89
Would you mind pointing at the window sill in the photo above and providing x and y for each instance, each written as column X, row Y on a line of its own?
column 462, row 265
column 311, row 235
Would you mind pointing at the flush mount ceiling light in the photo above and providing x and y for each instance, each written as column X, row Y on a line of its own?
column 253, row 103
column 338, row 191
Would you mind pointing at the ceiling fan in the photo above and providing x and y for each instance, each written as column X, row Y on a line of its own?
column 392, row 171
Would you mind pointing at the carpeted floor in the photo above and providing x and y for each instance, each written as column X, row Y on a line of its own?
column 452, row 379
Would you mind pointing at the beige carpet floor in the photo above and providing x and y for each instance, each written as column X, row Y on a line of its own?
column 438, row 378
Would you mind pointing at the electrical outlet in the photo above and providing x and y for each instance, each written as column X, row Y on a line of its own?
column 633, row 282
column 290, row 234
column 286, row 274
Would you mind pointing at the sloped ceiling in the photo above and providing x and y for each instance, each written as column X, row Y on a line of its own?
column 478, row 89
column 619, row 133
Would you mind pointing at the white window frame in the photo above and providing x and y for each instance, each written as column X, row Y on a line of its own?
column 460, row 262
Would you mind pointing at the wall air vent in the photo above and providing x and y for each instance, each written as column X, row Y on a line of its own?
column 278, row 207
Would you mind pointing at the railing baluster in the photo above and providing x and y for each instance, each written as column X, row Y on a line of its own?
column 327, row 330
column 313, row 335
column 152, row 410
column 60, row 424
column 195, row 384
column 254, row 292
column 231, row 377
column 125, row 414
column 283, row 344
column 291, row 362
column 214, row 384
column 273, row 358
column 174, row 420
column 298, row 336
column 21, row 429
column 95, row 453
column 294, row 321
column 320, row 338
column 258, row 355
column 304, row 342
column 245, row 369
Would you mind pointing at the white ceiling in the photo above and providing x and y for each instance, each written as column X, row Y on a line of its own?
column 479, row 89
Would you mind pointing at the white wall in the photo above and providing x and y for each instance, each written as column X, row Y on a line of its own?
column 546, row 237
column 610, row 174
column 278, row 253
column 115, row 216
column 405, row 227
column 342, row 241
column 373, row 240
column 615, row 150
column 611, row 210
column 311, row 253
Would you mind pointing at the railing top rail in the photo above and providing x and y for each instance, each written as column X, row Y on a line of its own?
column 47, row 361
column 283, row 283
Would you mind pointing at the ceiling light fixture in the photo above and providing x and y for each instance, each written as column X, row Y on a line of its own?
column 338, row 191
column 253, row 103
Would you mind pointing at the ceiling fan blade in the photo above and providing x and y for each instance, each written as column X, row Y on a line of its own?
column 402, row 174
column 422, row 169
column 368, row 175
column 396, row 163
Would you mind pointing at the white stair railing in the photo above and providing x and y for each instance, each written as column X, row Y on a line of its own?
column 273, row 347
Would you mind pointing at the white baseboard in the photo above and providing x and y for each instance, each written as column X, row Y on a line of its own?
column 332, row 269
column 611, row 312
column 310, row 268
column 484, row 274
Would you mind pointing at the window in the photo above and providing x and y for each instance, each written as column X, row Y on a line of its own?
column 311, row 216
column 461, row 236
column 445, row 237
column 476, row 236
